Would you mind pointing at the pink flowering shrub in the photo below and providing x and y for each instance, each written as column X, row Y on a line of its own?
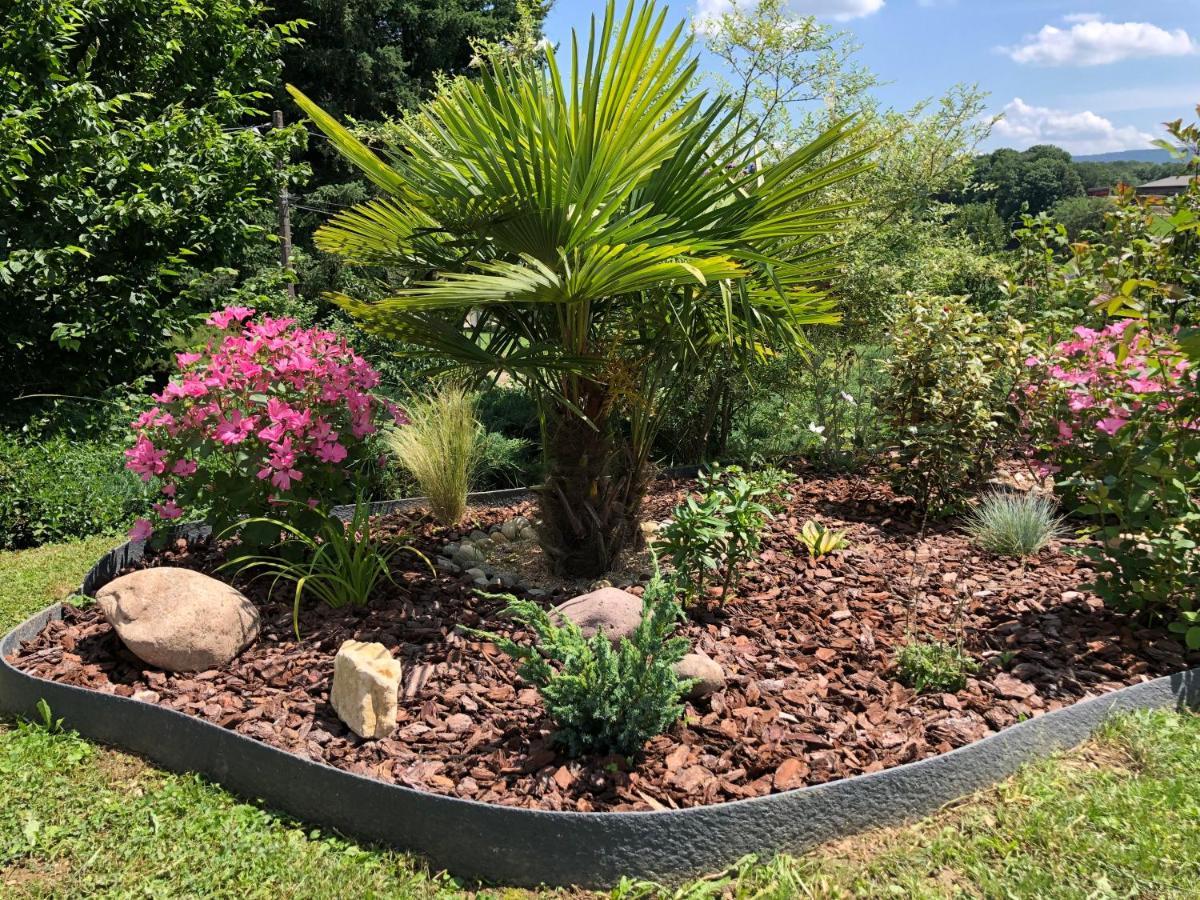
column 1120, row 433
column 268, row 418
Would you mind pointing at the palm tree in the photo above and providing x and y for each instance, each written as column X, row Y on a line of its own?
column 596, row 238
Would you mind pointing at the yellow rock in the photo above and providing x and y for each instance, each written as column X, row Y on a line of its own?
column 366, row 681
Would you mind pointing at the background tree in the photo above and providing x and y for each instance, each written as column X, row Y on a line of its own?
column 130, row 178
column 592, row 234
column 1031, row 180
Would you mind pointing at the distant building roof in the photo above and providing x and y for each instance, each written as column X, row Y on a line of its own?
column 1174, row 184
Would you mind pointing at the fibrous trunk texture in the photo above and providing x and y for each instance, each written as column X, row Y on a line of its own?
column 592, row 496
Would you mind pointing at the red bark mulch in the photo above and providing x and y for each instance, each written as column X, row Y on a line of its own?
column 808, row 648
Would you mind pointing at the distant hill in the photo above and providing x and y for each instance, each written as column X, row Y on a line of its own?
column 1148, row 155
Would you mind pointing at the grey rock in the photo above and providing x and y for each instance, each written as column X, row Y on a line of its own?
column 477, row 573
column 468, row 554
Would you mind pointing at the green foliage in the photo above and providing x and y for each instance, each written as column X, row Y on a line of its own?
column 720, row 531
column 1081, row 215
column 59, row 488
column 694, row 540
column 374, row 59
column 1014, row 524
column 981, row 222
column 442, row 447
column 604, row 699
column 129, row 175
column 604, row 243
column 951, row 373
column 820, row 540
column 1029, row 181
column 1118, row 405
column 341, row 563
column 934, row 666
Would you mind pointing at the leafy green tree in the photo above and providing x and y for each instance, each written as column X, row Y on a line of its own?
column 591, row 233
column 373, row 59
column 129, row 177
column 1032, row 180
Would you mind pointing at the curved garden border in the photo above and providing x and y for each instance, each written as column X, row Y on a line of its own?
column 532, row 847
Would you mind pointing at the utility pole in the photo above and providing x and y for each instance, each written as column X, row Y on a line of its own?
column 285, row 216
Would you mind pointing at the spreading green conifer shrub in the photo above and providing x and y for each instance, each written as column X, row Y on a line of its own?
column 604, row 699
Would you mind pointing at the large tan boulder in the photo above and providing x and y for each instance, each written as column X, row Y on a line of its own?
column 366, row 681
column 178, row 619
column 615, row 612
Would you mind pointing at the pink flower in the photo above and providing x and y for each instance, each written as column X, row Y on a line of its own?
column 235, row 429
column 230, row 314
column 1079, row 400
column 186, row 359
column 168, row 489
column 1143, row 385
column 141, row 530
column 1032, row 361
column 184, row 468
column 145, row 459
column 332, row 452
column 283, row 478
column 168, row 510
column 1065, row 431
column 1110, row 425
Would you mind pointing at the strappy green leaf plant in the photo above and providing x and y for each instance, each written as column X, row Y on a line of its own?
column 341, row 564
column 596, row 232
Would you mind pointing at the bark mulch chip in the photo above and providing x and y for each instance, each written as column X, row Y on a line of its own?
column 808, row 648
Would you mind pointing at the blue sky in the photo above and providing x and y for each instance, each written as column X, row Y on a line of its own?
column 1088, row 75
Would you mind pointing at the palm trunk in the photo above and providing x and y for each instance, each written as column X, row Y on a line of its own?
column 592, row 496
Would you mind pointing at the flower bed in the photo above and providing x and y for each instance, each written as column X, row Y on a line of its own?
column 808, row 648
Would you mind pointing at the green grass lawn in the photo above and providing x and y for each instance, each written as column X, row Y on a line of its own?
column 1120, row 817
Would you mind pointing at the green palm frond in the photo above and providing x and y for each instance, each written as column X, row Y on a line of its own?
column 547, row 214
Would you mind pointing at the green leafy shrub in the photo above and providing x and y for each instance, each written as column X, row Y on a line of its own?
column 441, row 447
column 1080, row 215
column 821, row 541
column 604, row 699
column 934, row 666
column 1113, row 409
column 951, row 374
column 694, row 540
column 341, row 564
column 721, row 530
column 1014, row 524
column 59, row 488
column 129, row 174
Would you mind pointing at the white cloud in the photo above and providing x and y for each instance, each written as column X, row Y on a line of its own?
column 1024, row 125
column 837, row 10
column 1091, row 41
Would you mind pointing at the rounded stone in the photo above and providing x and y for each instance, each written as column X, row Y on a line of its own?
column 178, row 619
column 707, row 672
column 469, row 554
column 615, row 612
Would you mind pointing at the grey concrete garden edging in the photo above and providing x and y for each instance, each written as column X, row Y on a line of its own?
column 531, row 847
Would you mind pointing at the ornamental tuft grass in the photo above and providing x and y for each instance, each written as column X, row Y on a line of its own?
column 1014, row 524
